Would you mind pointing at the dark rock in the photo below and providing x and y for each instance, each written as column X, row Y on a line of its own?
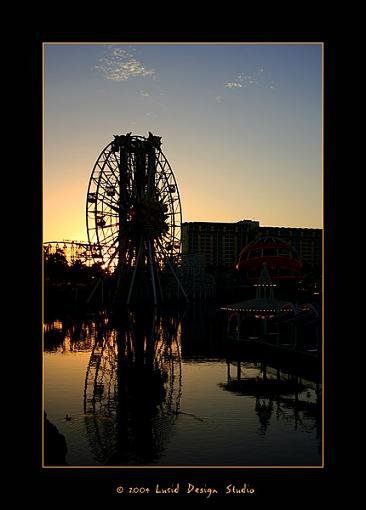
column 55, row 447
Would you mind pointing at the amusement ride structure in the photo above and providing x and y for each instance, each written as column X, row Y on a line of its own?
column 134, row 216
column 133, row 220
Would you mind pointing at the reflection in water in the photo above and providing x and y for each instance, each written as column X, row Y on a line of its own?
column 132, row 388
column 263, row 410
column 132, row 382
column 70, row 336
column 278, row 392
column 149, row 388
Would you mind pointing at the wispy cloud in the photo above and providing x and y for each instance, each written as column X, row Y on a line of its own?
column 143, row 93
column 255, row 79
column 120, row 65
column 233, row 85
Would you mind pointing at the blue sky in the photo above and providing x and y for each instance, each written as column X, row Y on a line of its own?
column 241, row 126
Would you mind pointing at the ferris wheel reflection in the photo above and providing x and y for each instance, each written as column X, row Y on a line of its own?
column 133, row 387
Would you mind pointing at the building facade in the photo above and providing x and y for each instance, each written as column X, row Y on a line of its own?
column 221, row 243
column 218, row 243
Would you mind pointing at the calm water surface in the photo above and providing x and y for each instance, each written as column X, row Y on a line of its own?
column 159, row 390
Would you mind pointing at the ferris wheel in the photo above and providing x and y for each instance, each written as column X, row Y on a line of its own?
column 133, row 210
column 133, row 387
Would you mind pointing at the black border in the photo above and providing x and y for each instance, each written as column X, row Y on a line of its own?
column 279, row 485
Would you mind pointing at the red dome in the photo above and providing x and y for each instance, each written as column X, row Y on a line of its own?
column 282, row 260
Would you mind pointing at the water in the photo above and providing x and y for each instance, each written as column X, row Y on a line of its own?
column 160, row 390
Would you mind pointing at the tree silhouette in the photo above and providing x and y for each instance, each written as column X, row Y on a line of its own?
column 55, row 266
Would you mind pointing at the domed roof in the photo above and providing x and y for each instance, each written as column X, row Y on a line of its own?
column 276, row 246
column 281, row 259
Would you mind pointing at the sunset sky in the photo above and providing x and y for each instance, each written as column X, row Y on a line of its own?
column 241, row 126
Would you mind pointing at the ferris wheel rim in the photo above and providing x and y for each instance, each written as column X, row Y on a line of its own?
column 167, row 191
